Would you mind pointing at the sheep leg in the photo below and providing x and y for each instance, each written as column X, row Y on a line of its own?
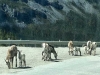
column 11, row 61
column 72, row 53
column 94, row 52
column 80, row 53
column 24, row 63
column 16, row 61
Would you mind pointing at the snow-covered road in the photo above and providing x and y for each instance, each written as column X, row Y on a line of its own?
column 89, row 65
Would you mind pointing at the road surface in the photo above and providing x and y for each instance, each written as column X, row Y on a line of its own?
column 65, row 65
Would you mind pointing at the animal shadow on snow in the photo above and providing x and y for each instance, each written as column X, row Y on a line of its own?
column 57, row 60
column 78, row 55
column 27, row 67
column 97, row 54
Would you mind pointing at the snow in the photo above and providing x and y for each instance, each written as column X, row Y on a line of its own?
column 66, row 64
column 76, row 66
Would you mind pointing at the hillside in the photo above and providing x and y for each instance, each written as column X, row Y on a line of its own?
column 50, row 19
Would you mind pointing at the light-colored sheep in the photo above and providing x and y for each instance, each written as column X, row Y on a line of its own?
column 85, row 48
column 46, row 54
column 91, row 47
column 22, row 60
column 71, row 47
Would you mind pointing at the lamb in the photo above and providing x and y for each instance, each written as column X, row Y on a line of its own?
column 77, row 49
column 22, row 60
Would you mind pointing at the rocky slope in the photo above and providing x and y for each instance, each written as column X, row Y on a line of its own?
column 39, row 11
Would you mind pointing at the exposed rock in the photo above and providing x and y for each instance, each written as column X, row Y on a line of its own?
column 29, row 11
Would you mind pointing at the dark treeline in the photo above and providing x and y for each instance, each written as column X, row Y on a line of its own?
column 75, row 27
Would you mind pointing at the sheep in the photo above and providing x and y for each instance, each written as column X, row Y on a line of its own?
column 46, row 53
column 77, row 49
column 52, row 49
column 89, row 45
column 93, row 48
column 70, row 46
column 11, row 53
column 22, row 59
column 85, row 48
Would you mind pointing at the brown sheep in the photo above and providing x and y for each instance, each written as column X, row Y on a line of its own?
column 11, row 53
